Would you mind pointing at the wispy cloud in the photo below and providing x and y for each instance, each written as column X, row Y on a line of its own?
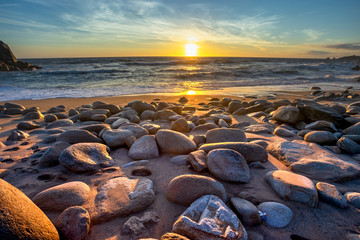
column 317, row 52
column 347, row 46
column 312, row 34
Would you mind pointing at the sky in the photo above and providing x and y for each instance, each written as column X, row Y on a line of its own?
column 235, row 28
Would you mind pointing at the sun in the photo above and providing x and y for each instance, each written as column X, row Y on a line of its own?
column 191, row 50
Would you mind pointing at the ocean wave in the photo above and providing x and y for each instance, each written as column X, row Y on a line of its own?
column 75, row 72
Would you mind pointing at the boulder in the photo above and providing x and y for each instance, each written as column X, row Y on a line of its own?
column 144, row 148
column 136, row 129
column 287, row 114
column 51, row 156
column 27, row 126
column 180, row 125
column 174, row 142
column 329, row 193
column 313, row 161
column 277, row 215
column 62, row 196
column 321, row 125
column 228, row 165
column 291, row 186
column 352, row 130
column 248, row 212
column 20, row 218
column 60, row 123
column 197, row 160
column 33, row 115
column 353, row 198
column 116, row 138
column 283, row 132
column 73, row 223
column 209, row 218
column 320, row 137
column 185, row 189
column 347, row 145
column 84, row 157
column 17, row 135
column 120, row 197
column 225, row 135
column 141, row 106
column 250, row 151
column 78, row 136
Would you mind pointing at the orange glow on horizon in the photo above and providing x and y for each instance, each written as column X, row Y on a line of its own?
column 191, row 50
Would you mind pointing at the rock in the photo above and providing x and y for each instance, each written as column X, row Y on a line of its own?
column 119, row 122
column 51, row 156
column 144, row 148
column 293, row 186
column 136, row 129
column 179, row 160
column 138, row 226
column 135, row 163
column 313, row 161
column 141, row 106
column 185, row 189
column 116, row 138
column 251, row 151
column 97, row 128
column 352, row 236
column 352, row 130
column 17, row 135
column 320, row 137
column 84, row 157
column 287, row 114
column 225, row 135
column 9, row 105
column 218, row 117
column 33, row 115
column 353, row 198
column 223, row 124
column 164, row 114
column 347, row 145
column 282, row 132
column 173, row 236
column 60, row 123
column 204, row 127
column 20, row 218
column 120, row 197
column 62, row 196
column 74, row 223
column 141, row 171
column 147, row 115
column 277, row 215
column 258, row 129
column 13, row 111
column 329, row 193
column 78, row 136
column 235, row 105
column 50, row 118
column 174, row 142
column 98, row 117
column 248, row 212
column 180, row 125
column 322, row 126
column 27, row 126
column 197, row 160
column 209, row 218
column 113, row 108
column 228, row 165
column 183, row 100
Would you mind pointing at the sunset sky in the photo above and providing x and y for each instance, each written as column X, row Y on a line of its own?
column 244, row 28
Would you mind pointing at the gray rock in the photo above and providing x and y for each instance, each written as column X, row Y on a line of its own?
column 179, row 160
column 33, row 115
column 9, row 105
column 353, row 198
column 50, row 118
column 199, row 139
column 352, row 130
column 20, row 218
column 185, row 189
column 62, row 196
column 329, row 193
column 251, row 151
column 119, row 122
column 74, row 223
column 293, row 186
column 248, row 212
column 277, row 215
column 320, row 137
column 180, row 125
column 164, row 114
column 209, row 218
column 97, row 128
column 321, row 125
column 78, row 136
column 259, row 129
column 60, row 123
column 174, row 142
column 288, row 114
column 228, row 165
column 224, row 117
column 27, row 126
column 138, row 226
column 17, row 135
column 136, row 129
column 120, row 197
column 204, row 127
column 223, row 124
column 347, row 145
column 84, row 157
column 51, row 156
column 141, row 106
column 144, row 148
column 116, row 138
column 197, row 160
column 235, row 105
column 151, row 128
column 282, row 132
column 147, row 115
column 225, row 135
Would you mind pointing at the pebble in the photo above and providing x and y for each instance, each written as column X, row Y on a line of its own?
column 277, row 215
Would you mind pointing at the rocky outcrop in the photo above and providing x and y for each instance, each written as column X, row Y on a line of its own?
column 8, row 61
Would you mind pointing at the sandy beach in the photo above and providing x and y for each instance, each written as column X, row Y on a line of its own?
column 27, row 165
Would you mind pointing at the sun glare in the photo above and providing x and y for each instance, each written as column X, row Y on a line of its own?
column 191, row 92
column 191, row 50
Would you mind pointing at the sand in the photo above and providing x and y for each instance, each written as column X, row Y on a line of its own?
column 323, row 222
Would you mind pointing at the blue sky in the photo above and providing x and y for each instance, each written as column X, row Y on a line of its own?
column 47, row 28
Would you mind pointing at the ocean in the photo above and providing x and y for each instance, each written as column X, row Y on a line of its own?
column 113, row 76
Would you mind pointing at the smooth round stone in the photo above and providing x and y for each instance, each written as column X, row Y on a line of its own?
column 116, row 138
column 33, row 115
column 51, row 156
column 288, row 114
column 78, row 136
column 320, row 137
column 74, row 223
column 282, row 132
column 353, row 198
column 228, row 165
column 27, row 126
column 60, row 123
column 136, row 129
column 321, row 125
column 225, row 135
column 249, row 214
column 329, row 193
column 50, row 118
column 180, row 125
column 179, row 160
column 347, row 145
column 277, row 215
column 174, row 142
column 144, row 148
column 60, row 197
column 20, row 218
column 98, row 117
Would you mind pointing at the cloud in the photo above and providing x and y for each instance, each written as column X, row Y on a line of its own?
column 312, row 34
column 316, row 52
column 347, row 46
